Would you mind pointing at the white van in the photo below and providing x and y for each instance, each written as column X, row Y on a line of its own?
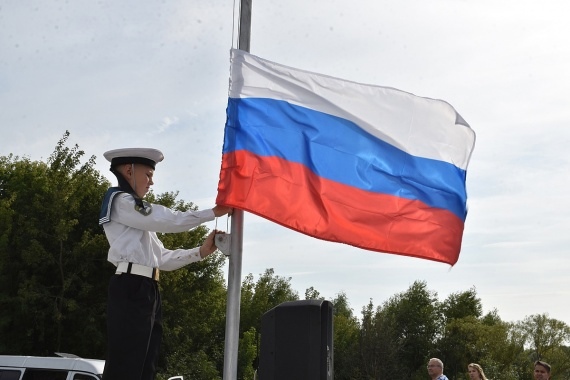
column 69, row 367
column 50, row 368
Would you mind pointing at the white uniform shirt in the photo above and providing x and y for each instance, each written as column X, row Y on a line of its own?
column 132, row 235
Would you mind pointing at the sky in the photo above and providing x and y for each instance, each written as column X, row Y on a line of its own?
column 155, row 74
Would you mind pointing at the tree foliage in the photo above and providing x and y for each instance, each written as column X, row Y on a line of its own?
column 415, row 320
column 259, row 297
column 52, row 254
column 346, row 334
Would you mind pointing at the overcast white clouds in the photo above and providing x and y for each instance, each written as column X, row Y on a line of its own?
column 155, row 73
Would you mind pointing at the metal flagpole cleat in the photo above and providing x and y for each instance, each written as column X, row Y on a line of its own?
column 223, row 242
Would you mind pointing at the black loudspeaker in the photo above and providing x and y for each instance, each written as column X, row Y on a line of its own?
column 297, row 342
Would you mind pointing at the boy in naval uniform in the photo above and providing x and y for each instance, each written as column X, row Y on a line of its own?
column 134, row 314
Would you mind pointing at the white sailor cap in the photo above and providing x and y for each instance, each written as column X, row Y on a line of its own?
column 146, row 156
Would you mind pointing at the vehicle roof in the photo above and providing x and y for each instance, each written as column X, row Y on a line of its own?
column 75, row 364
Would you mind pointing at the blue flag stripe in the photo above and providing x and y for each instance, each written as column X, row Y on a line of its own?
column 339, row 150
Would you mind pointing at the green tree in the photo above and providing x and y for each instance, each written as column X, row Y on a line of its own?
column 398, row 337
column 462, row 304
column 346, row 333
column 378, row 354
column 499, row 349
column 52, row 254
column 544, row 334
column 313, row 294
column 547, row 339
column 370, row 357
column 458, row 340
column 258, row 298
column 248, row 354
column 415, row 319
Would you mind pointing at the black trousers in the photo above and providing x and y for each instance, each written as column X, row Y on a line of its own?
column 134, row 328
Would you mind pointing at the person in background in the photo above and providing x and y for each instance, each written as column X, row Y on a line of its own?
column 541, row 370
column 476, row 372
column 435, row 369
column 134, row 314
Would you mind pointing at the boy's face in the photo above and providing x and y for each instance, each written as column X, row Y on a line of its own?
column 140, row 178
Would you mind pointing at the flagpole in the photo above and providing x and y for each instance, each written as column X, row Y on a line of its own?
column 231, row 345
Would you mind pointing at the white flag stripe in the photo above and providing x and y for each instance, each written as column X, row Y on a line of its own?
column 419, row 126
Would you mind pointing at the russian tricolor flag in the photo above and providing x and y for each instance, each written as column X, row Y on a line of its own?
column 370, row 166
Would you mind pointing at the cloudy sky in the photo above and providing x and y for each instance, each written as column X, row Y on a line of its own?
column 155, row 74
